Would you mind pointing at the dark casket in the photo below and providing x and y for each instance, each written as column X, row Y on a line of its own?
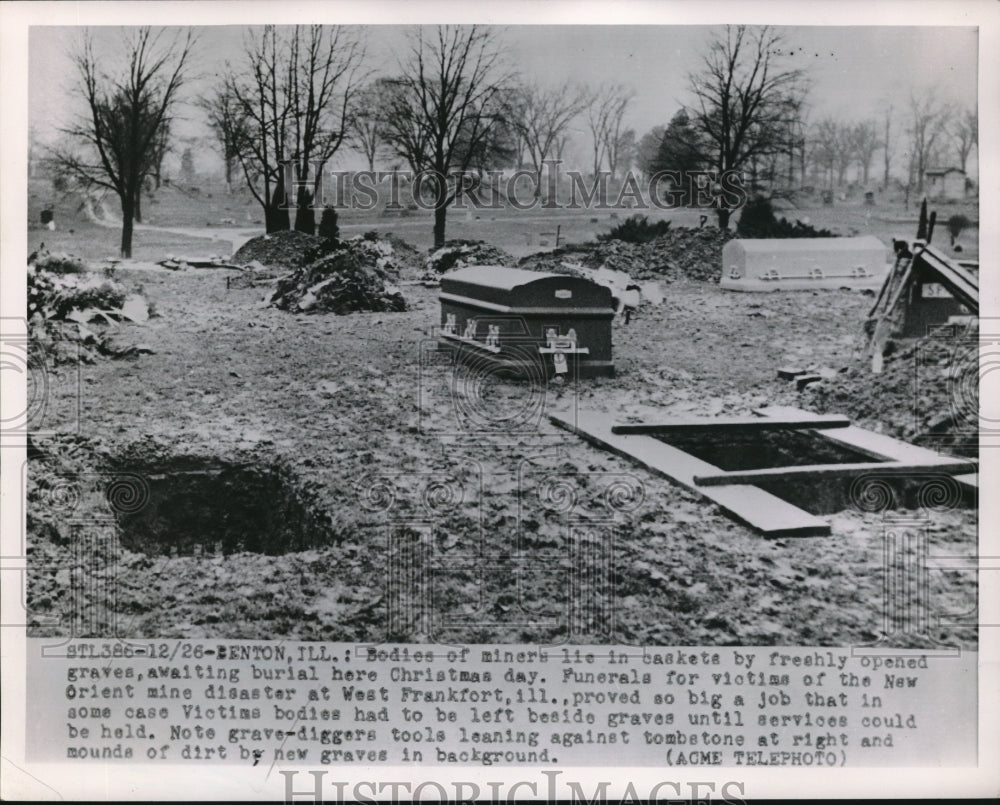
column 528, row 321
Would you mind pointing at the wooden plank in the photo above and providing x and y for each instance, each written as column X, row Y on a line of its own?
column 749, row 424
column 751, row 506
column 822, row 472
column 788, row 412
column 876, row 445
column 963, row 286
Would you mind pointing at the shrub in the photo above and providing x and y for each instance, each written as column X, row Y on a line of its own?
column 637, row 229
column 60, row 263
column 956, row 225
column 759, row 221
column 328, row 225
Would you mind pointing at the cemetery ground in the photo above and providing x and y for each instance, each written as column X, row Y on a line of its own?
column 244, row 418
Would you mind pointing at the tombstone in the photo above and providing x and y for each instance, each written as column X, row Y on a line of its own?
column 869, row 198
column 827, row 198
column 48, row 219
column 528, row 320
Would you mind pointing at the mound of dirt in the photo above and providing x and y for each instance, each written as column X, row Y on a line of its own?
column 409, row 259
column 461, row 253
column 286, row 249
column 927, row 393
column 355, row 276
column 680, row 253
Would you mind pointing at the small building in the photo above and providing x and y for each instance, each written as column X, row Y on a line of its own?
column 944, row 183
column 527, row 321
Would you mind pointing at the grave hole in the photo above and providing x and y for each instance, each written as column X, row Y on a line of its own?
column 736, row 451
column 758, row 450
column 203, row 507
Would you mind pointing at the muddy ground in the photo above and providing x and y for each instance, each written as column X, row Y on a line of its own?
column 323, row 477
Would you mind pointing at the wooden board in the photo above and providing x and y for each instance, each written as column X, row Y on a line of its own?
column 875, row 445
column 750, row 424
column 821, row 472
column 963, row 286
column 754, row 507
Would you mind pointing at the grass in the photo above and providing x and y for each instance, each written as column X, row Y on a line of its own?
column 93, row 242
column 206, row 206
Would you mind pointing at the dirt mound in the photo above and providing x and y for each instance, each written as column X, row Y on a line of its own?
column 77, row 316
column 409, row 258
column 286, row 249
column 355, row 276
column 680, row 253
column 927, row 393
column 461, row 253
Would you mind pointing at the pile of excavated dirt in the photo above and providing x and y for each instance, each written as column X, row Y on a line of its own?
column 286, row 249
column 927, row 393
column 460, row 253
column 409, row 259
column 76, row 315
column 355, row 276
column 680, row 253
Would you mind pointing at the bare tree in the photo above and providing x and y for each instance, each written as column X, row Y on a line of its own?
column 293, row 92
column 621, row 151
column 228, row 124
column 262, row 103
column 366, row 120
column 965, row 132
column 541, row 117
column 325, row 74
column 928, row 116
column 865, row 140
column 605, row 115
column 126, row 115
column 445, row 108
column 888, row 145
column 844, row 152
column 745, row 105
column 161, row 147
column 825, row 144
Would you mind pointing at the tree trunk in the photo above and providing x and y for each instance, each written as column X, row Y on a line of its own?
column 138, row 207
column 277, row 216
column 305, row 216
column 127, row 214
column 724, row 216
column 440, row 214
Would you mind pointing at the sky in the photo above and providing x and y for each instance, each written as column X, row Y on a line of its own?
column 853, row 71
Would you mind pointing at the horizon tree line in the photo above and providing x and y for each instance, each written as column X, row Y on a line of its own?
column 297, row 96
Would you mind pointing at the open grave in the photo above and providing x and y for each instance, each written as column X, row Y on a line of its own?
column 775, row 471
column 218, row 507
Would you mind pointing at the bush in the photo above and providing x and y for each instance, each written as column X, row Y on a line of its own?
column 956, row 225
column 328, row 225
column 759, row 221
column 54, row 296
column 60, row 263
column 636, row 229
